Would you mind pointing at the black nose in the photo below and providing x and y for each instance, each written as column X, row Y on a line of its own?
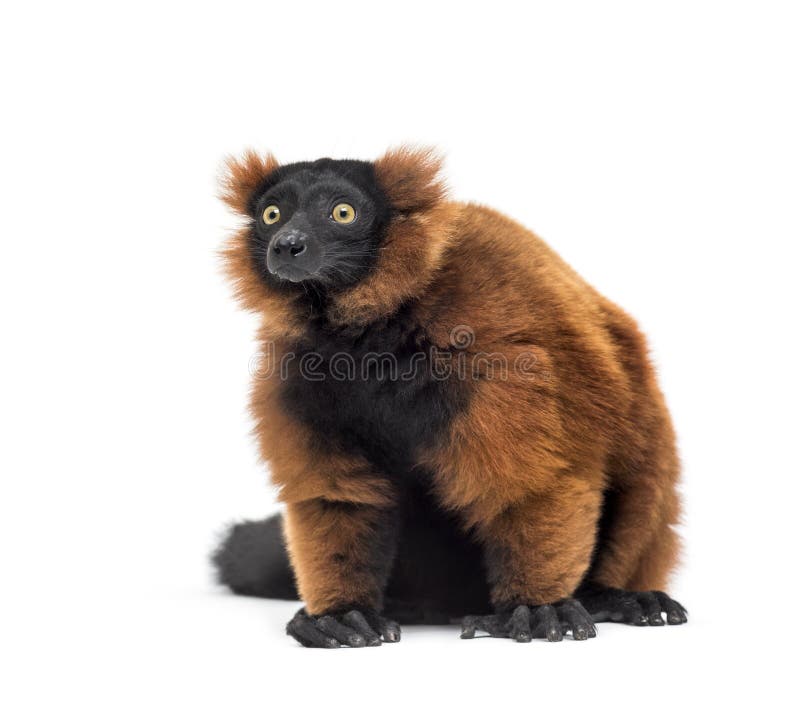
column 287, row 247
column 294, row 256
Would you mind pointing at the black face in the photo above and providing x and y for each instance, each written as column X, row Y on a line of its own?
column 318, row 223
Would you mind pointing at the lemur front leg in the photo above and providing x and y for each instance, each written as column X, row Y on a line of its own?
column 536, row 553
column 341, row 553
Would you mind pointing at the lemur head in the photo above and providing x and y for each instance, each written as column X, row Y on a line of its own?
column 360, row 236
column 318, row 223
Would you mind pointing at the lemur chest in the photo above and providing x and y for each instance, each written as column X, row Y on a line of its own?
column 377, row 393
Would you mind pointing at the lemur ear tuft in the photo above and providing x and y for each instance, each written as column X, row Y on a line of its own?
column 411, row 178
column 242, row 177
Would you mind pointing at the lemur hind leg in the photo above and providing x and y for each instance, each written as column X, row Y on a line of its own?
column 637, row 546
column 635, row 552
column 629, row 591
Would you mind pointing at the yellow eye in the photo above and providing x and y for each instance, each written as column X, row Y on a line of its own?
column 271, row 215
column 343, row 213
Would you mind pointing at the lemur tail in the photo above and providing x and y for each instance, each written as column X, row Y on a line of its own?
column 252, row 560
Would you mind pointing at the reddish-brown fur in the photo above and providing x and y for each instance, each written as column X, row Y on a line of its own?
column 529, row 461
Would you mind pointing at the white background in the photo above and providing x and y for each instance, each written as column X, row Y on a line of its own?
column 654, row 145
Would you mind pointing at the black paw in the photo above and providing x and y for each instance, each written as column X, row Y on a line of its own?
column 354, row 628
column 524, row 623
column 636, row 608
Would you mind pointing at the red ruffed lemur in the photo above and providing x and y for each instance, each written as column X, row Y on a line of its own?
column 460, row 426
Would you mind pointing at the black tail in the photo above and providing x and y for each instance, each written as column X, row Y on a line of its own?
column 252, row 560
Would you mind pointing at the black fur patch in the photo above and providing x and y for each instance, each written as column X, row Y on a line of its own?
column 372, row 391
column 608, row 514
column 438, row 573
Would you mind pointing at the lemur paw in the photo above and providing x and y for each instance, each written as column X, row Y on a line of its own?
column 635, row 608
column 354, row 628
column 551, row 621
